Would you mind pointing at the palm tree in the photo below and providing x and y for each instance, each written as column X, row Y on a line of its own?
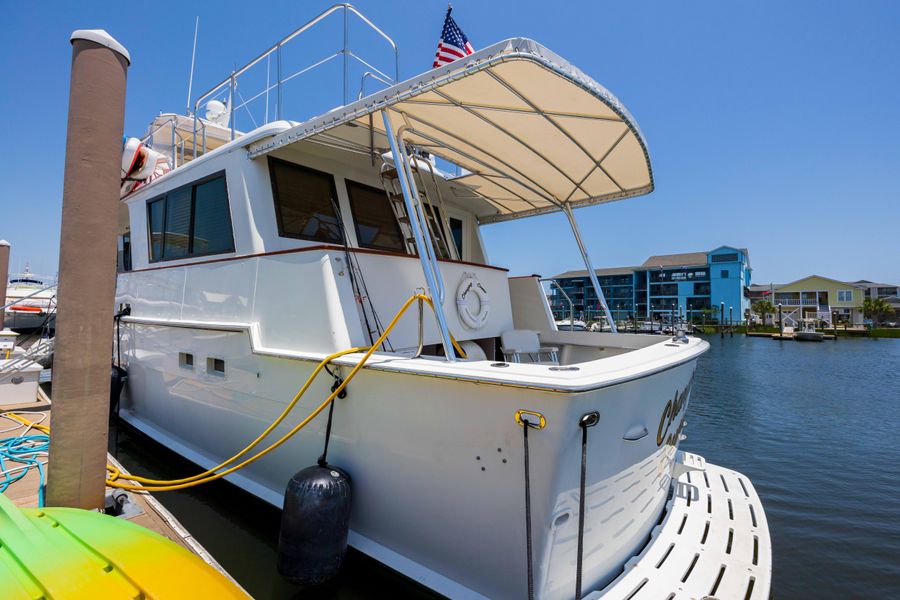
column 762, row 308
column 876, row 309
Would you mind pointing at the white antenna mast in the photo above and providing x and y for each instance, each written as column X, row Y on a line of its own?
column 193, row 57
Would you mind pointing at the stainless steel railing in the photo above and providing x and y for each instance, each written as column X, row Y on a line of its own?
column 229, row 84
column 417, row 222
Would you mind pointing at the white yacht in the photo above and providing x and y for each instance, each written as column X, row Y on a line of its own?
column 252, row 261
column 30, row 301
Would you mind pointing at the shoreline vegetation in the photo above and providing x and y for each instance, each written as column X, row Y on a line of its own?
column 875, row 332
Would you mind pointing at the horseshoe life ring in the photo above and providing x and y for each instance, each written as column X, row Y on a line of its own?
column 471, row 285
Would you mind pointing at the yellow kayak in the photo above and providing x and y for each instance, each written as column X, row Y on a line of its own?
column 71, row 553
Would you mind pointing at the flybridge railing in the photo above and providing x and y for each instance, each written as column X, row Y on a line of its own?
column 235, row 101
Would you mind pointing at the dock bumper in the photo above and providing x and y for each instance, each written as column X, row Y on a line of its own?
column 712, row 543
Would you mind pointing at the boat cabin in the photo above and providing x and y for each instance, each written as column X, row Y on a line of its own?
column 311, row 235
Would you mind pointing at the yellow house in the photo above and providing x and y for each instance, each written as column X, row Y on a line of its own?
column 818, row 297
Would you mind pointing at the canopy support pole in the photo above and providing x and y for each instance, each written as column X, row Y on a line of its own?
column 567, row 208
column 416, row 219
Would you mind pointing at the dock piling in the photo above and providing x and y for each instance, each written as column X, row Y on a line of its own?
column 4, row 275
column 722, row 321
column 87, row 271
column 780, row 321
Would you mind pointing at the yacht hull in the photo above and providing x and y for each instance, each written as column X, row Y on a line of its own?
column 26, row 321
column 437, row 464
column 809, row 336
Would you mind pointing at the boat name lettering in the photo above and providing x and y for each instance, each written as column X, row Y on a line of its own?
column 672, row 410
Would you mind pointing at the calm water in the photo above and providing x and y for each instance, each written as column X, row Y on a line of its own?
column 815, row 426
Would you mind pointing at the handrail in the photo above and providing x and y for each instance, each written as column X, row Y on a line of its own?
column 373, row 75
column 430, row 268
column 428, row 247
column 172, row 121
column 567, row 208
column 569, row 300
column 231, row 81
column 14, row 302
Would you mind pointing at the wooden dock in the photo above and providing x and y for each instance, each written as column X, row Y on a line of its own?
column 783, row 336
column 152, row 515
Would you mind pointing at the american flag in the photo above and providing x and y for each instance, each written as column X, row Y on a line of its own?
column 453, row 43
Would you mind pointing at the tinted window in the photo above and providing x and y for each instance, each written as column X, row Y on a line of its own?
column 376, row 225
column 193, row 220
column 456, row 229
column 212, row 221
column 724, row 258
column 156, row 214
column 304, row 202
column 724, row 273
column 178, row 224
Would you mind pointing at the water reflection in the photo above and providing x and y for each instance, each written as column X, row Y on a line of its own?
column 814, row 426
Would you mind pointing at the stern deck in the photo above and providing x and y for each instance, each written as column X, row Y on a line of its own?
column 714, row 541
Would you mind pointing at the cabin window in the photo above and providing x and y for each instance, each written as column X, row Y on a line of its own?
column 376, row 224
column 456, row 230
column 212, row 220
column 156, row 213
column 192, row 220
column 177, row 232
column 305, row 202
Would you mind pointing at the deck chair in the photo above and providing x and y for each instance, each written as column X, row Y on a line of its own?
column 518, row 342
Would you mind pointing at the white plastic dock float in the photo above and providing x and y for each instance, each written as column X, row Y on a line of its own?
column 713, row 508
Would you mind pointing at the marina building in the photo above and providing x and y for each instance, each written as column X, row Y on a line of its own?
column 687, row 283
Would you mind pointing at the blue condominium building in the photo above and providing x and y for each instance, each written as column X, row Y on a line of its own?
column 686, row 283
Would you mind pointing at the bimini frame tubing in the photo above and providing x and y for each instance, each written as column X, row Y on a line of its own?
column 425, row 250
column 567, row 208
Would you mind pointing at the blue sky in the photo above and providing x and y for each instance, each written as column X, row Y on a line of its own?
column 771, row 125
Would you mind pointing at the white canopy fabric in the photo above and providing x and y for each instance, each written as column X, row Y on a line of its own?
column 533, row 131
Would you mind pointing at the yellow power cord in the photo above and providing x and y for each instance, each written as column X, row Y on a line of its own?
column 214, row 473
column 24, row 421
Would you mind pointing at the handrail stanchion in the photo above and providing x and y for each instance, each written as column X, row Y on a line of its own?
column 346, row 55
column 428, row 266
column 567, row 208
column 420, row 215
column 231, row 104
column 278, row 63
column 194, row 137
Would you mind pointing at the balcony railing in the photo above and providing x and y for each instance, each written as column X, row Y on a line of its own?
column 799, row 302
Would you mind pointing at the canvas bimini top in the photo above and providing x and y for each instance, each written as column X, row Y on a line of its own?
column 533, row 131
